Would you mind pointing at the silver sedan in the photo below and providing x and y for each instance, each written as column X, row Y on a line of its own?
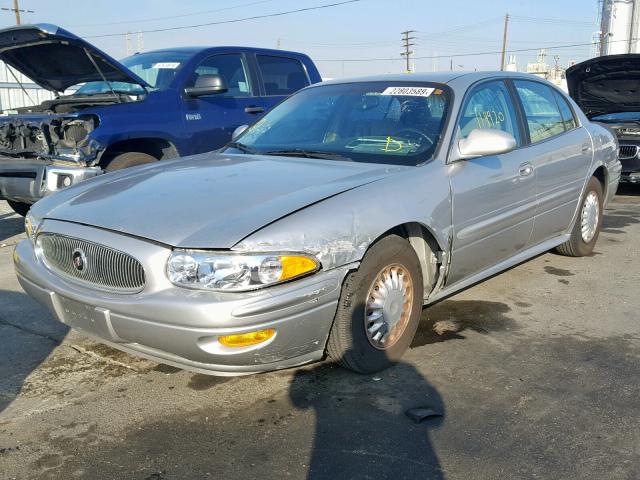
column 324, row 228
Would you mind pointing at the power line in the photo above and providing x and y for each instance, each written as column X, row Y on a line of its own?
column 237, row 20
column 472, row 54
column 146, row 20
column 17, row 10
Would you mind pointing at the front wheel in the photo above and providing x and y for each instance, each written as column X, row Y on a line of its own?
column 588, row 223
column 379, row 308
column 129, row 159
column 19, row 207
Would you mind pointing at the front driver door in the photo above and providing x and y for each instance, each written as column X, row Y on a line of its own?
column 211, row 119
column 494, row 197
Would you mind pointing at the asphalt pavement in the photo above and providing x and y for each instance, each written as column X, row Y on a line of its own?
column 535, row 372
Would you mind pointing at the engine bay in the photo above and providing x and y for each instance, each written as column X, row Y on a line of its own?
column 53, row 137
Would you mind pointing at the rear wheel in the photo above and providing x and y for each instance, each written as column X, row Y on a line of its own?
column 379, row 308
column 129, row 159
column 19, row 207
column 586, row 229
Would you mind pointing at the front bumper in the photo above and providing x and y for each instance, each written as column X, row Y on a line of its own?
column 180, row 327
column 28, row 180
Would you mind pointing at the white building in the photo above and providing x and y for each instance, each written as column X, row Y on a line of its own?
column 12, row 96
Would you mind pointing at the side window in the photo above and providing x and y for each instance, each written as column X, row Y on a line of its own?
column 567, row 113
column 231, row 67
column 541, row 109
column 489, row 105
column 281, row 75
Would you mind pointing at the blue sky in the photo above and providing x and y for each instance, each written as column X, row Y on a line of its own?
column 363, row 30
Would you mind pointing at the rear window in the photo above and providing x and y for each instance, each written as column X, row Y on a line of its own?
column 281, row 75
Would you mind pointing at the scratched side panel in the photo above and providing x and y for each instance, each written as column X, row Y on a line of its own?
column 338, row 231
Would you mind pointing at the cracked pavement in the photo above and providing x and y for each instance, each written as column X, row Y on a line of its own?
column 536, row 371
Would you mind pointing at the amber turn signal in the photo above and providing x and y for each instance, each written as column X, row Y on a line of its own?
column 247, row 339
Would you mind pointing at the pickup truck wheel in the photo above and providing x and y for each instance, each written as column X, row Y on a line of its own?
column 129, row 159
column 379, row 308
column 19, row 207
column 588, row 223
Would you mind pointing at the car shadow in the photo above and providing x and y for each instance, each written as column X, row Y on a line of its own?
column 27, row 338
column 628, row 189
column 10, row 225
column 361, row 426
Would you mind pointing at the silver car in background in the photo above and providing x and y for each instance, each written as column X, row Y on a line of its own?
column 325, row 227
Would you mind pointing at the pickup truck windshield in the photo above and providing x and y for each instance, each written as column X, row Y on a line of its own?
column 156, row 68
column 377, row 122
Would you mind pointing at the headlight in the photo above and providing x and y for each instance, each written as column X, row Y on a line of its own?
column 31, row 225
column 234, row 271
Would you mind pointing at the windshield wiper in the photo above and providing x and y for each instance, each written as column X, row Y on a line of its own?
column 298, row 152
column 240, row 146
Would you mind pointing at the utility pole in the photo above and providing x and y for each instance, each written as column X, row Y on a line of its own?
column 504, row 40
column 406, row 43
column 16, row 9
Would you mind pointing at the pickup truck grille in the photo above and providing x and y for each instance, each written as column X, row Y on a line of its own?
column 626, row 152
column 92, row 264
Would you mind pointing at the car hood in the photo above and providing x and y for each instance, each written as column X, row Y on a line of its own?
column 56, row 59
column 206, row 201
column 608, row 84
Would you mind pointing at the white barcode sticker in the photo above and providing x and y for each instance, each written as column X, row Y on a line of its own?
column 409, row 91
column 170, row 65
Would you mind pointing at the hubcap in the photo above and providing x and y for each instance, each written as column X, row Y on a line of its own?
column 590, row 217
column 388, row 307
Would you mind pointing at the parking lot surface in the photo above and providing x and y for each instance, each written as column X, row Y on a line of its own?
column 535, row 371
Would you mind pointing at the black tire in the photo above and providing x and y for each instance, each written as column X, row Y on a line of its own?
column 19, row 207
column 348, row 343
column 129, row 159
column 576, row 246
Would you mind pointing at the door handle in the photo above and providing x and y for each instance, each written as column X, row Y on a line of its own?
column 254, row 109
column 586, row 147
column 525, row 170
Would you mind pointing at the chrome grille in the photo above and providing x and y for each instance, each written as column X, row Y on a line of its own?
column 101, row 266
column 628, row 151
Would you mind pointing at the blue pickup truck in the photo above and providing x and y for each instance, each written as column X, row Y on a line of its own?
column 148, row 107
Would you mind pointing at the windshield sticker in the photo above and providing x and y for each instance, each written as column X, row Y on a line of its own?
column 409, row 91
column 169, row 65
column 242, row 86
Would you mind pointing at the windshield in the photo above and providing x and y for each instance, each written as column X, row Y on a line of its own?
column 156, row 68
column 378, row 122
column 617, row 117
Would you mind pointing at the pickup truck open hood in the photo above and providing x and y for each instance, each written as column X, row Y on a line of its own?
column 209, row 200
column 56, row 59
column 608, row 84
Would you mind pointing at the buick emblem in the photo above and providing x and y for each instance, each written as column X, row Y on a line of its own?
column 79, row 260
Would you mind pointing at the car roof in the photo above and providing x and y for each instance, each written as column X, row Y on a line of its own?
column 198, row 49
column 433, row 77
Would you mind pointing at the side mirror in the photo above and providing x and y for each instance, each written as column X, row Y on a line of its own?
column 238, row 131
column 485, row 141
column 207, row 85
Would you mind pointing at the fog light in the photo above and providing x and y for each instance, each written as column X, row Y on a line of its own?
column 246, row 339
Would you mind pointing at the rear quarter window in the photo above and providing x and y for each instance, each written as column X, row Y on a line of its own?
column 281, row 75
